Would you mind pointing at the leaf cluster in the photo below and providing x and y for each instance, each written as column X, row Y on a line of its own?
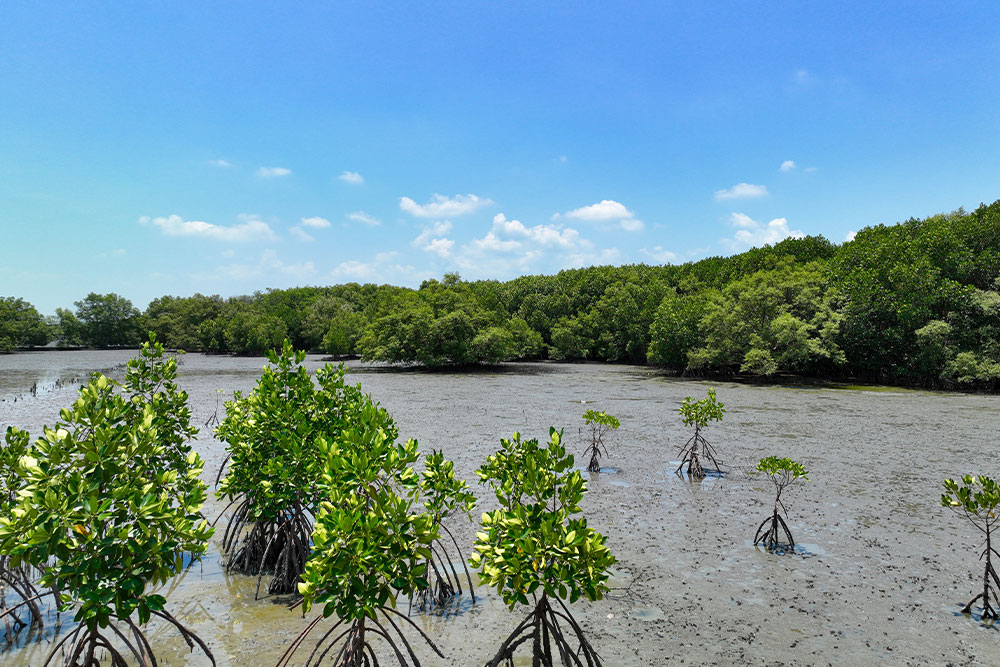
column 369, row 545
column 601, row 419
column 701, row 412
column 443, row 493
column 782, row 467
column 536, row 542
column 273, row 433
column 978, row 496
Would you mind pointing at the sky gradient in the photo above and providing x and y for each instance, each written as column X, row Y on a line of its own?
column 222, row 148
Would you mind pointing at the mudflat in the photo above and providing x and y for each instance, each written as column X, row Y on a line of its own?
column 879, row 576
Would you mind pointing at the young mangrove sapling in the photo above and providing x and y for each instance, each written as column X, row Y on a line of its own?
column 274, row 466
column 536, row 551
column 978, row 498
column 109, row 506
column 369, row 547
column 600, row 424
column 444, row 495
column 699, row 413
column 782, row 473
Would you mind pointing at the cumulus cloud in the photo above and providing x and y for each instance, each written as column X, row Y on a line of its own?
column 302, row 234
column 250, row 228
column 268, row 264
column 511, row 247
column 659, row 254
column 364, row 218
column 384, row 267
column 751, row 233
column 787, row 166
column 741, row 191
column 352, row 177
column 273, row 172
column 850, row 237
column 605, row 211
column 444, row 207
column 220, row 163
column 432, row 239
column 316, row 222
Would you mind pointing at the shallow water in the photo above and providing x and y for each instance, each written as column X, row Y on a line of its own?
column 882, row 571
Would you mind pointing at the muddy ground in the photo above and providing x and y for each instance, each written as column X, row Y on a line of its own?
column 880, row 576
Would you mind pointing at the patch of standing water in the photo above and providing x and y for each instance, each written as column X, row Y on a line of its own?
column 801, row 549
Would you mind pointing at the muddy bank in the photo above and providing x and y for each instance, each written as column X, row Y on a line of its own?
column 880, row 579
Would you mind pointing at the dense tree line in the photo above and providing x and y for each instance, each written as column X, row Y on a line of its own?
column 912, row 303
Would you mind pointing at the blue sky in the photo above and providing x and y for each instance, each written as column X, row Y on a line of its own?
column 226, row 148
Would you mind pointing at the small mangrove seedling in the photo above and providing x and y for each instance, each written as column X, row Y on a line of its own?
column 782, row 473
column 536, row 551
column 978, row 498
column 444, row 495
column 600, row 423
column 699, row 414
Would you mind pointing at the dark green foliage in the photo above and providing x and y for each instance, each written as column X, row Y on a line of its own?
column 108, row 320
column 536, row 545
column 20, row 325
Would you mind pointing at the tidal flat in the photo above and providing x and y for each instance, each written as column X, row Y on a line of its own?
column 879, row 577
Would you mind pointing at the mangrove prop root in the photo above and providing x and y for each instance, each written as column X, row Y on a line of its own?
column 552, row 633
column 445, row 583
column 84, row 647
column 768, row 533
column 691, row 454
column 19, row 598
column 350, row 647
column 991, row 585
column 279, row 547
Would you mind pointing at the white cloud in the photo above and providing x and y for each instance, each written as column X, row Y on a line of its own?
column 273, row 172
column 220, row 163
column 267, row 265
column 741, row 191
column 441, row 247
column 316, row 222
column 302, row 235
column 438, row 229
column 364, row 218
column 787, row 166
column 444, row 207
column 353, row 270
column 850, row 237
column 660, row 254
column 606, row 210
column 751, row 233
column 249, row 229
column 352, row 177
column 384, row 268
column 511, row 247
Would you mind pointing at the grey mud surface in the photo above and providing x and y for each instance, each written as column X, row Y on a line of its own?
column 880, row 579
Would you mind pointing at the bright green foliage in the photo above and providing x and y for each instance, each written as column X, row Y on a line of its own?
column 978, row 496
column 443, row 493
column 535, row 542
column 784, row 467
column 107, row 506
column 602, row 419
column 368, row 544
column 701, row 412
column 272, row 433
